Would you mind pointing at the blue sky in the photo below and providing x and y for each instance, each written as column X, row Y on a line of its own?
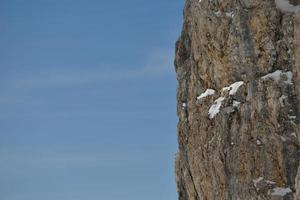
column 88, row 99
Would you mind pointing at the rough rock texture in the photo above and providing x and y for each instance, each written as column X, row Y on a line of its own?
column 248, row 146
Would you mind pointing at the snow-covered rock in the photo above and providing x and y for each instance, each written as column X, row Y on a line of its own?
column 208, row 92
column 215, row 108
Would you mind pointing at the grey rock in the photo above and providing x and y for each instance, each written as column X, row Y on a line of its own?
column 255, row 132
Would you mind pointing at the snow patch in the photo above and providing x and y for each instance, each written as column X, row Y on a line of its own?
column 218, row 13
column 226, row 88
column 208, row 92
column 292, row 117
column 262, row 179
column 276, row 76
column 279, row 191
column 236, row 103
column 270, row 182
column 233, row 88
column 184, row 105
column 289, row 76
column 258, row 142
column 215, row 108
column 229, row 14
column 285, row 6
column 256, row 181
column 294, row 134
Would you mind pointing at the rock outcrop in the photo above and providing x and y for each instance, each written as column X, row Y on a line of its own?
column 238, row 72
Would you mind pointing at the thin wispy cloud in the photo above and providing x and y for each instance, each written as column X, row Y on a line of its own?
column 59, row 159
column 159, row 63
column 14, row 87
column 64, row 160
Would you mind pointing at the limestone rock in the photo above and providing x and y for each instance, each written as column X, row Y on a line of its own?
column 241, row 141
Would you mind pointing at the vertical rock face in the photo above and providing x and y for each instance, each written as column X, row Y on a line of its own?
column 238, row 72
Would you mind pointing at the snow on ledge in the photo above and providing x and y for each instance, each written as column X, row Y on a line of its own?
column 233, row 88
column 289, row 76
column 229, row 14
column 285, row 6
column 256, row 181
column 276, row 76
column 236, row 104
column 278, row 191
column 215, row 108
column 208, row 92
column 294, row 134
column 218, row 13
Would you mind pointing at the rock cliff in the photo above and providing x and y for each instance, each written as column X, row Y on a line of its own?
column 238, row 100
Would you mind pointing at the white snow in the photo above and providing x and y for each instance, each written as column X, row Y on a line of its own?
column 236, row 103
column 208, row 92
column 215, row 108
column 276, row 76
column 259, row 179
column 233, row 88
column 294, row 134
column 218, row 13
column 229, row 14
column 278, row 191
column 226, row 88
column 292, row 117
column 285, row 6
column 270, row 182
column 289, row 76
column 256, row 181
column 184, row 105
column 258, row 142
